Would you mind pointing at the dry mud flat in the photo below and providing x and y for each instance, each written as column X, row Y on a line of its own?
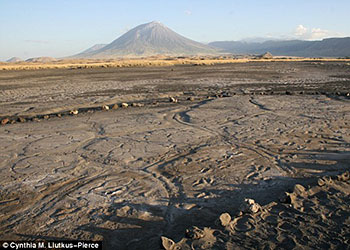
column 179, row 170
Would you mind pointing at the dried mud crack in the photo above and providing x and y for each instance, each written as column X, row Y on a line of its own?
column 158, row 172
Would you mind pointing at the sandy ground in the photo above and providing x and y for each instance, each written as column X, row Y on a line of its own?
column 179, row 170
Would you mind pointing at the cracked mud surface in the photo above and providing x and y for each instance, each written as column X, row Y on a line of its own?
column 129, row 176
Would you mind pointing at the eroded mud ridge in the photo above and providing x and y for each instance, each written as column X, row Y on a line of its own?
column 182, row 170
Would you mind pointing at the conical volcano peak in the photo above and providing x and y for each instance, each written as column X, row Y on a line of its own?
column 152, row 25
column 155, row 23
column 150, row 39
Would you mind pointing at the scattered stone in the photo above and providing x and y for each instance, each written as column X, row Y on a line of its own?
column 299, row 190
column 189, row 206
column 324, row 180
column 125, row 211
column 36, row 119
column 321, row 182
column 191, row 98
column 13, row 121
column 74, row 112
column 172, row 99
column 225, row 219
column 115, row 106
column 167, row 243
column 137, row 104
column 21, row 119
column 46, row 117
column 195, row 233
column 5, row 121
column 344, row 176
column 125, row 105
column 105, row 107
column 200, row 195
column 59, row 115
column 250, row 206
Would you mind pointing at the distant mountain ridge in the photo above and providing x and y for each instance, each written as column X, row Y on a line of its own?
column 330, row 47
column 14, row 59
column 42, row 59
column 149, row 39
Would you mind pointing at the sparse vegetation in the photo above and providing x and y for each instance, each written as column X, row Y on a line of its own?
column 144, row 62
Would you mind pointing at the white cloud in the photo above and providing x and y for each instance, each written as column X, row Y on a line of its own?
column 188, row 12
column 302, row 32
column 317, row 33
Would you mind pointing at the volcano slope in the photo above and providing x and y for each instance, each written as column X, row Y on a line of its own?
column 129, row 176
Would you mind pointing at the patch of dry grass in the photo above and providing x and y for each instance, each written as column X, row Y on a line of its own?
column 144, row 62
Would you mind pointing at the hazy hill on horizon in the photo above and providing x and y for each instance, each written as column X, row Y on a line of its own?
column 148, row 39
column 14, row 59
column 329, row 47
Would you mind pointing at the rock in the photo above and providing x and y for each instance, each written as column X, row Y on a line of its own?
column 125, row 211
column 191, row 98
column 299, row 190
column 172, row 99
column 74, row 112
column 344, row 176
column 167, row 243
column 324, row 180
column 46, row 117
column 125, row 105
column 115, row 106
column 195, row 233
column 137, row 104
column 4, row 121
column 21, row 119
column 321, row 182
column 105, row 107
column 59, row 115
column 250, row 206
column 225, row 219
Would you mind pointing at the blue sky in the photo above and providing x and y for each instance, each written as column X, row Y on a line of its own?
column 31, row 28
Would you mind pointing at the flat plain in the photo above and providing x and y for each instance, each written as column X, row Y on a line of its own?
column 174, row 168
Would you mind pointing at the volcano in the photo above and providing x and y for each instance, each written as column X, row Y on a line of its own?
column 149, row 39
